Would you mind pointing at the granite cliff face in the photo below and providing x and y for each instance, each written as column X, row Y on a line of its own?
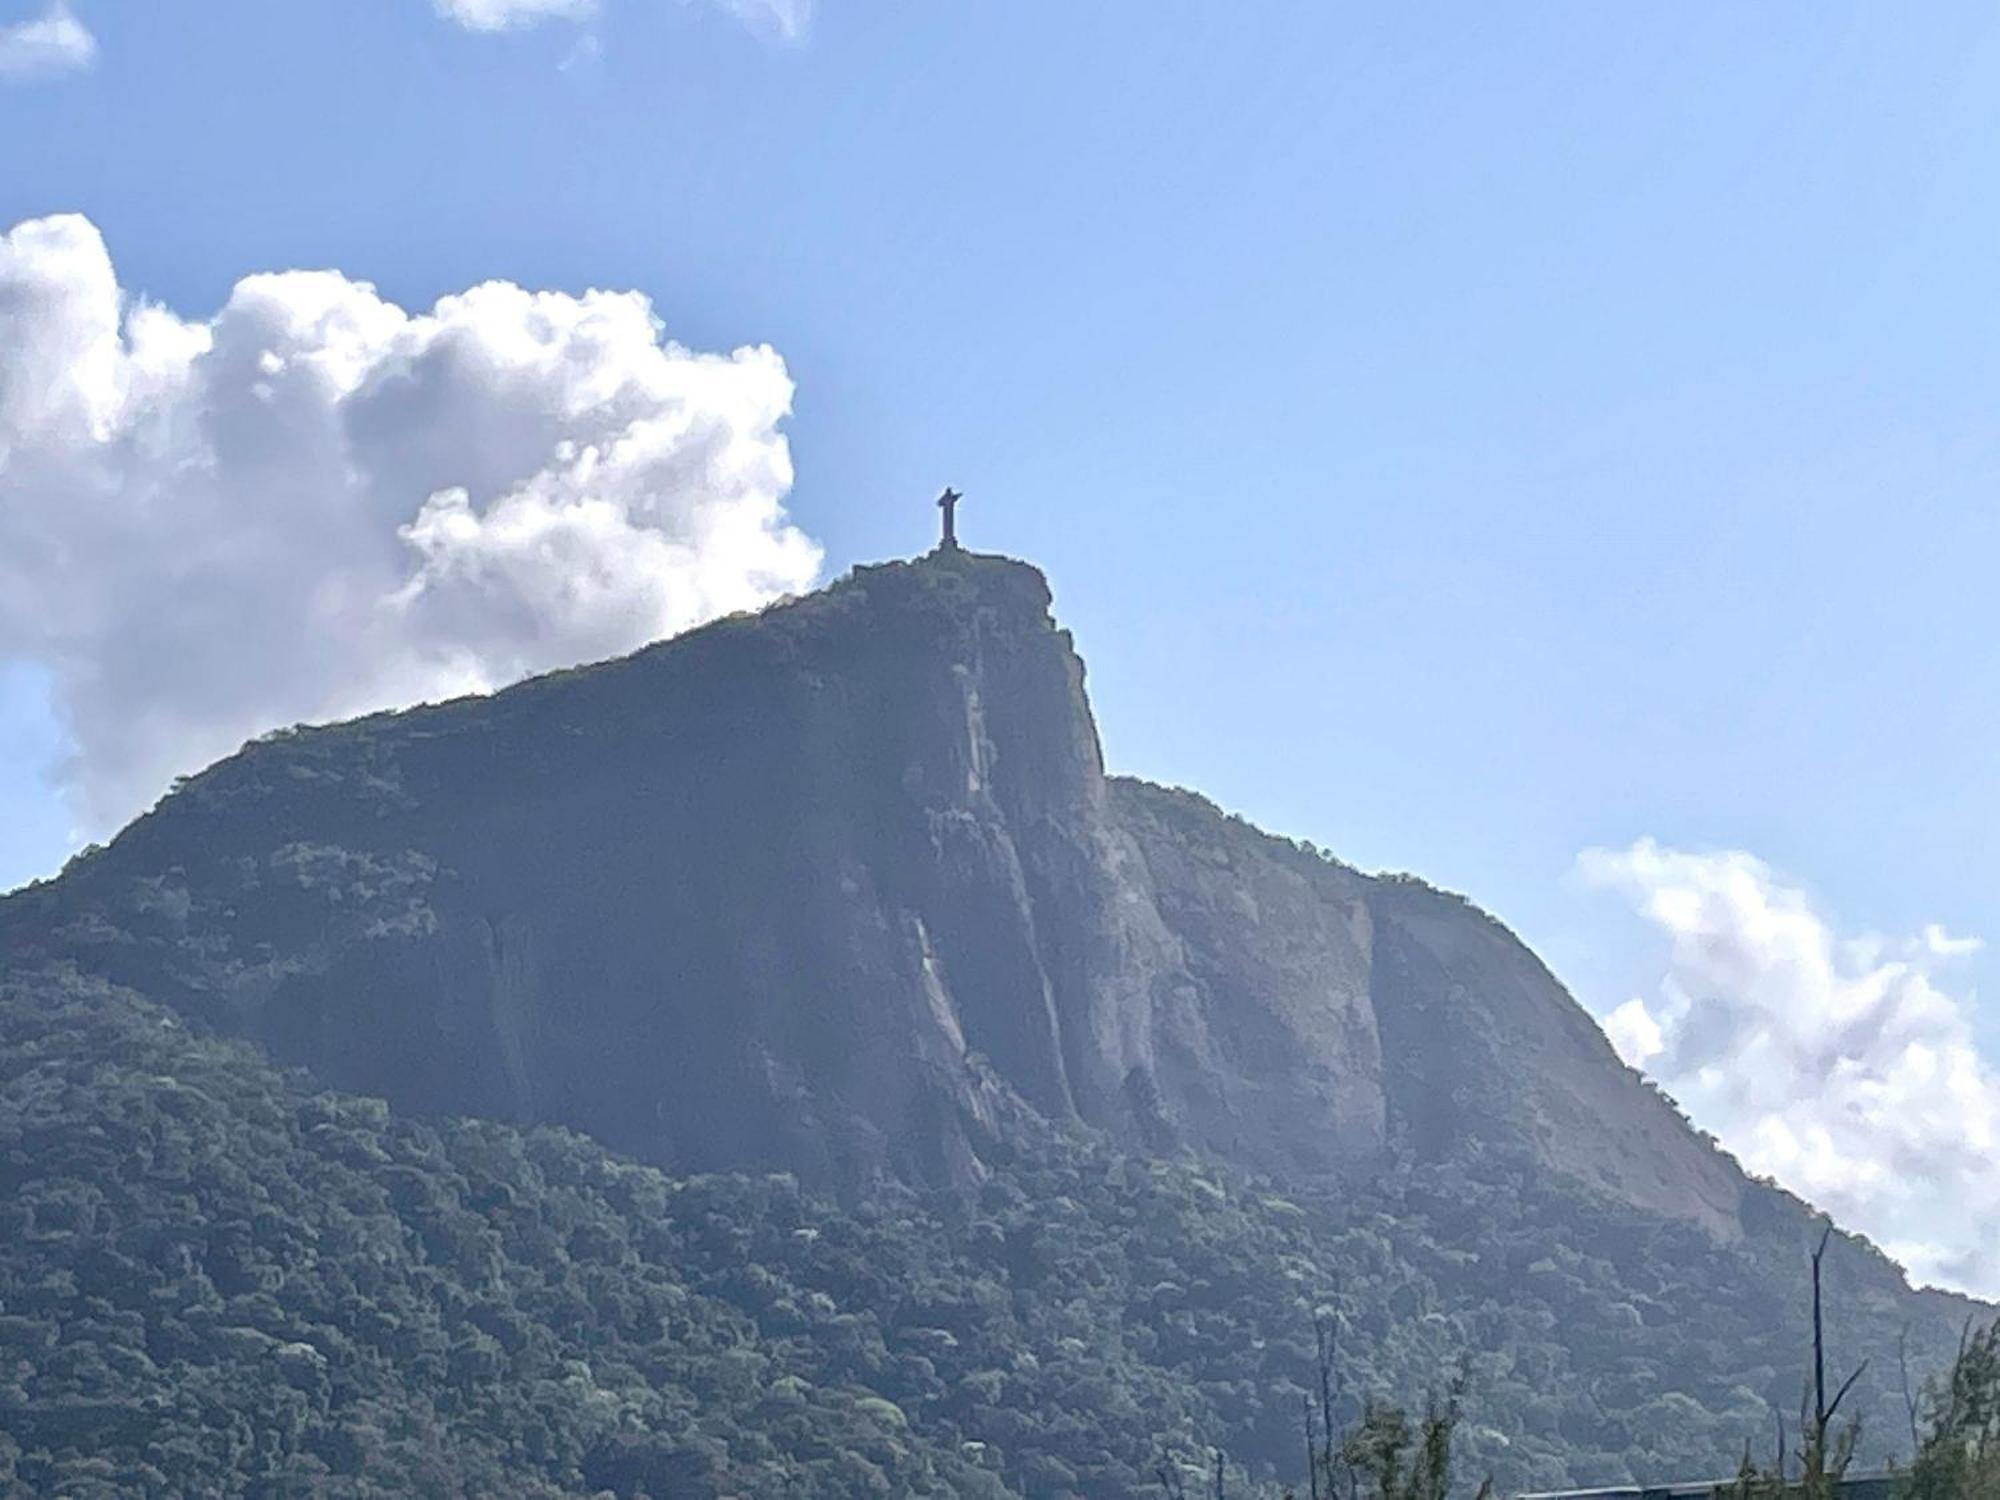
column 842, row 888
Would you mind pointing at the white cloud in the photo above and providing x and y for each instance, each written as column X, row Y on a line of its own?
column 782, row 20
column 507, row 15
column 1635, row 1033
column 779, row 20
column 315, row 503
column 1836, row 1065
column 53, row 42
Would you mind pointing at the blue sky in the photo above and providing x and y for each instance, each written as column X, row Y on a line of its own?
column 1463, row 438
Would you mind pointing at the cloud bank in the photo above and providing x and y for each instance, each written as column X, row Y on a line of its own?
column 316, row 503
column 1836, row 1065
column 52, row 43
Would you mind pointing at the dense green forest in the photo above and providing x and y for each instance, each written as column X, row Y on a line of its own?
column 217, row 1278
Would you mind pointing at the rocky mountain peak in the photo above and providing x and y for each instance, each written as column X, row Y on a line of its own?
column 842, row 888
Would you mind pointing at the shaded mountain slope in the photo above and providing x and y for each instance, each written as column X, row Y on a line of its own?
column 1469, row 1040
column 842, row 889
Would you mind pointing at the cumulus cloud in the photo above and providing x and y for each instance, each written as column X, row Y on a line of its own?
column 315, row 503
column 1837, row 1065
column 51, row 43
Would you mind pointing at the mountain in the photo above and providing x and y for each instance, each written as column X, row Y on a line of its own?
column 1085, row 1096
column 837, row 889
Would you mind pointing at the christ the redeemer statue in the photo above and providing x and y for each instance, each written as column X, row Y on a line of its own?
column 948, row 503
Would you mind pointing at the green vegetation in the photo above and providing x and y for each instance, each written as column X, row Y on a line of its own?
column 1954, row 1430
column 216, row 1278
column 1386, row 1457
column 1958, row 1444
column 1954, row 1427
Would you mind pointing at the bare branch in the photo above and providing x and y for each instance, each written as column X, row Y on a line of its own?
column 1909, row 1394
column 1312, row 1449
column 1820, row 1413
column 1846, row 1386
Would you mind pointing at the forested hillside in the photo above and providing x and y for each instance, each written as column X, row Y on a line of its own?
column 784, row 1062
column 219, row 1278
